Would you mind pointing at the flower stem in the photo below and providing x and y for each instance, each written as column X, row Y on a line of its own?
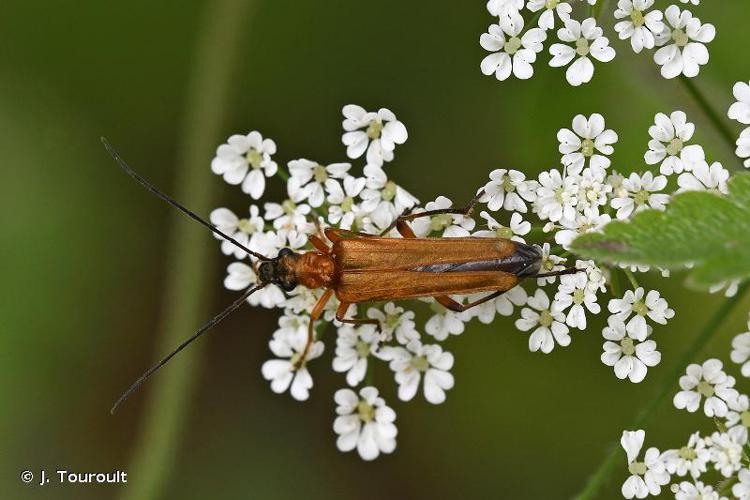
column 598, row 8
column 715, row 117
column 599, row 476
column 188, row 278
column 631, row 278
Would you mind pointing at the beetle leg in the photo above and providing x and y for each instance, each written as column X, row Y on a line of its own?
column 451, row 304
column 341, row 312
column 335, row 234
column 314, row 315
column 318, row 243
column 408, row 216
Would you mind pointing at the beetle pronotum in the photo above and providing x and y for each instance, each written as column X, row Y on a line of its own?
column 359, row 267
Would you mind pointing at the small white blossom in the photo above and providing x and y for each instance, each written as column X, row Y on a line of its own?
column 706, row 381
column 509, row 190
column 240, row 276
column 690, row 459
column 410, row 364
column 343, row 210
column 383, row 199
column 445, row 322
column 741, row 351
column 511, row 52
column 394, row 321
column 588, row 40
column 667, row 145
column 641, row 192
column 288, row 216
column 588, row 221
column 741, row 490
column 639, row 26
column 516, row 231
column 548, row 326
column 556, row 197
column 738, row 417
column 364, row 422
column 588, row 144
column 353, row 348
column 382, row 131
column 578, row 292
column 308, row 179
column 547, row 19
column 743, row 147
column 646, row 477
column 447, row 225
column 633, row 303
column 740, row 110
column 502, row 305
column 288, row 344
column 245, row 231
column 726, row 451
column 593, row 190
column 550, row 263
column 705, row 178
column 629, row 357
column 685, row 51
column 695, row 491
column 504, row 8
column 243, row 153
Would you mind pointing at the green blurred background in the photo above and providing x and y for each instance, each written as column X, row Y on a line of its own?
column 91, row 264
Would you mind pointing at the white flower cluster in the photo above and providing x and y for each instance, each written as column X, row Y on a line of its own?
column 679, row 37
column 580, row 196
column 718, row 457
column 740, row 111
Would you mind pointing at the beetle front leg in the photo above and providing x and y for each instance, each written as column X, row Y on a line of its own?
column 314, row 315
column 341, row 312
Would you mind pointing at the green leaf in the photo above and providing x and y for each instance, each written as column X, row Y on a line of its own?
column 705, row 229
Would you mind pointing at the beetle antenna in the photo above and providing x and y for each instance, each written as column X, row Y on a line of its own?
column 562, row 272
column 145, row 183
column 206, row 326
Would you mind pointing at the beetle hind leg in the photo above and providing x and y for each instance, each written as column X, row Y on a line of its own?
column 455, row 306
column 408, row 216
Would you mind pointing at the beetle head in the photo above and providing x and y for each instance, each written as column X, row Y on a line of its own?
column 280, row 270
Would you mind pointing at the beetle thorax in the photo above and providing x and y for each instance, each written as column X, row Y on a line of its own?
column 315, row 270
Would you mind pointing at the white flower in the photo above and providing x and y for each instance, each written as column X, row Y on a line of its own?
column 695, row 491
column 447, row 225
column 707, row 381
column 243, row 153
column 410, row 363
column 511, row 53
column 647, row 476
column 630, row 357
column 740, row 110
column 705, row 178
column 578, row 291
column 383, row 199
column 592, row 188
column 738, row 417
column 308, row 178
column 588, row 221
column 691, row 458
column 364, row 423
column 741, row 351
column 343, row 211
column 502, row 305
column 445, row 322
column 240, row 276
column 547, row 18
column 504, row 8
column 394, row 320
column 741, row 490
column 509, row 190
column 288, row 343
column 549, row 264
column 667, row 145
column 382, row 131
column 640, row 193
column 588, row 40
column 288, row 216
column 245, row 231
column 743, row 147
column 728, row 287
column 587, row 144
column 518, row 228
column 687, row 52
column 726, row 451
column 639, row 26
column 549, row 326
column 654, row 307
column 353, row 347
column 556, row 197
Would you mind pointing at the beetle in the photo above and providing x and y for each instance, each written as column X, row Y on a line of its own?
column 359, row 267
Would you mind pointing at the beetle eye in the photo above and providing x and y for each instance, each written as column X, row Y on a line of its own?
column 284, row 251
column 265, row 272
column 288, row 286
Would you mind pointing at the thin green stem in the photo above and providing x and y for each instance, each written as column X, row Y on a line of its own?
column 715, row 117
column 597, row 479
column 631, row 278
column 188, row 279
column 598, row 8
